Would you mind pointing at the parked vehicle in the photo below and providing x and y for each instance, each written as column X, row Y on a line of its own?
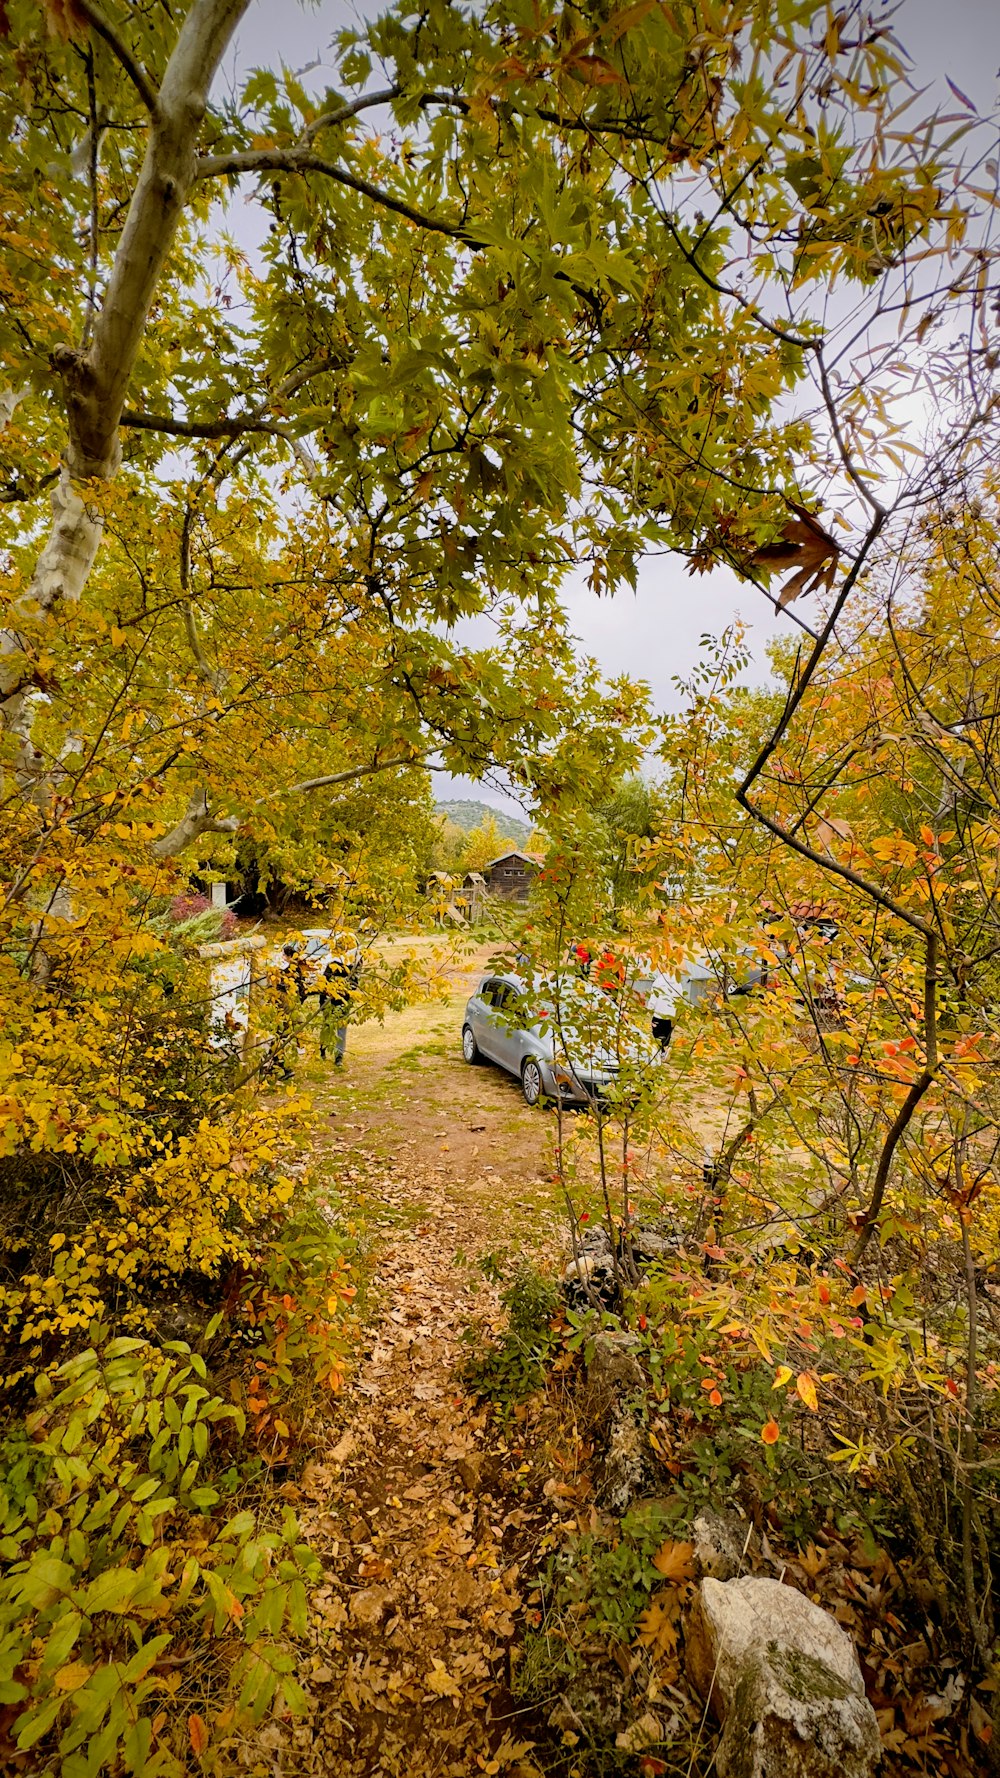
column 561, row 1040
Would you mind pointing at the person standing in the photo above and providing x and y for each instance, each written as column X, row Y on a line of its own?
column 292, row 987
column 340, row 984
column 659, row 994
column 662, row 1006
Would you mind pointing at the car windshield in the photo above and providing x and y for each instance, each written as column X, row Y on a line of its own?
column 585, row 1021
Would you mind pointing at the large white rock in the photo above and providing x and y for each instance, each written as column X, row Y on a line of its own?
column 784, row 1680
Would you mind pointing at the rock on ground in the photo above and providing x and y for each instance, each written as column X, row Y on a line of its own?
column 607, row 1404
column 785, row 1681
column 721, row 1542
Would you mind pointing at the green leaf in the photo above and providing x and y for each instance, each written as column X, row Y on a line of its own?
column 137, row 1745
column 46, row 1580
column 36, row 1723
column 294, row 1697
column 112, row 1591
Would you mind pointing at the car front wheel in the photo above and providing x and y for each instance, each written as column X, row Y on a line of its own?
column 470, row 1048
column 531, row 1082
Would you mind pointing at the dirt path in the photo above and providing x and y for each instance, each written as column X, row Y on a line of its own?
column 411, row 1508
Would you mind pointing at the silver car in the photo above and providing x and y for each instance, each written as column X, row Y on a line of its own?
column 566, row 1053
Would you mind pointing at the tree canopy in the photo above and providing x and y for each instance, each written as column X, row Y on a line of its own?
column 288, row 510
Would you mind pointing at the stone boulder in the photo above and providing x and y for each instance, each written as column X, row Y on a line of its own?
column 610, row 1406
column 650, row 1244
column 613, row 1371
column 784, row 1680
column 593, row 1278
column 721, row 1542
column 589, row 1281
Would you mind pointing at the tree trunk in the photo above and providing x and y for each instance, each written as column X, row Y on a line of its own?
column 96, row 380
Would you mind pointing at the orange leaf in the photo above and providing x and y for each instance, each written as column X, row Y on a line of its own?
column 198, row 1731
column 770, row 1432
column 805, row 1388
column 658, row 1625
column 673, row 1561
column 594, row 70
column 715, row 1398
column 66, row 19
column 805, row 546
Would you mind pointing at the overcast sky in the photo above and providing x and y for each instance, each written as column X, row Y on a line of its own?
column 654, row 634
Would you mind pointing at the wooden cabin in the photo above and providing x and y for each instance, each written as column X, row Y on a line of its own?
column 512, row 874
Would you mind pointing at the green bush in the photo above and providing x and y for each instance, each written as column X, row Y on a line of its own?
column 511, row 1371
column 115, row 1552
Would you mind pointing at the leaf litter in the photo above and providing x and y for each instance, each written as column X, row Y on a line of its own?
column 415, row 1505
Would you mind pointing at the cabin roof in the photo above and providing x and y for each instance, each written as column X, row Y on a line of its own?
column 515, row 852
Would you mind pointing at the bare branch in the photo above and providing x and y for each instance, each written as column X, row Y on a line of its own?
column 205, row 668
column 10, row 401
column 795, row 697
column 13, row 491
column 902, row 1118
column 122, row 54
column 344, row 113
column 96, row 381
column 331, row 778
column 197, row 818
column 239, row 424
column 179, row 428
column 302, row 160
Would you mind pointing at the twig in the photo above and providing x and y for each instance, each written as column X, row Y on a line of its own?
column 910, row 1103
column 122, row 54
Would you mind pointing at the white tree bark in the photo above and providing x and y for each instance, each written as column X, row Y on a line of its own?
column 10, row 401
column 196, row 820
column 96, row 380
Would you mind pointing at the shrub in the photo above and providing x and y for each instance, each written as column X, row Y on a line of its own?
column 509, row 1372
column 119, row 1557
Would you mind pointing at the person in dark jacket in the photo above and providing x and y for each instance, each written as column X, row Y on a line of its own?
column 291, row 986
column 340, row 984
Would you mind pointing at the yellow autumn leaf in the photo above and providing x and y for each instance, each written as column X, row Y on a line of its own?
column 442, row 1683
column 805, row 1388
column 782, row 1375
column 69, row 1679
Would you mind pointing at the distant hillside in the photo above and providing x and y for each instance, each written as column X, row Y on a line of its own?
column 468, row 815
